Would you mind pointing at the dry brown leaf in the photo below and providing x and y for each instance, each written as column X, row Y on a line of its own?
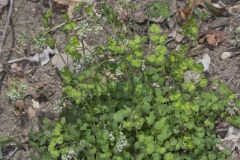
column 110, row 75
column 212, row 37
column 215, row 37
column 184, row 13
column 71, row 5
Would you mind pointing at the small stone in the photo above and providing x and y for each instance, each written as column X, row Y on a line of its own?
column 226, row 55
column 35, row 104
column 214, row 87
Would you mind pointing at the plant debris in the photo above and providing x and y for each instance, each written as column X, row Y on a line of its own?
column 212, row 37
column 205, row 61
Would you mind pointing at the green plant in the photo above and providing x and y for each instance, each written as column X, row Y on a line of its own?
column 190, row 28
column 135, row 104
column 17, row 90
column 43, row 40
column 200, row 13
column 110, row 14
column 158, row 9
column 47, row 18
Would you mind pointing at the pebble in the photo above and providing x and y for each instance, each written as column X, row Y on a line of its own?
column 226, row 55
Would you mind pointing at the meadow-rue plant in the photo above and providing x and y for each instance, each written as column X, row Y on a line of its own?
column 134, row 103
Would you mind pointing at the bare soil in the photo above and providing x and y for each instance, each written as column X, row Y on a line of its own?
column 44, row 82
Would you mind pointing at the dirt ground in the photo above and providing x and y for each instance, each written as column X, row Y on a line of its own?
column 45, row 83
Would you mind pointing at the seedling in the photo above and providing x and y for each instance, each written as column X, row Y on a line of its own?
column 17, row 90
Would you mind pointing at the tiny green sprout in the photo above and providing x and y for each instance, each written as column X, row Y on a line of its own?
column 47, row 18
column 151, row 58
column 136, row 63
column 190, row 28
column 17, row 90
column 155, row 29
column 158, row 9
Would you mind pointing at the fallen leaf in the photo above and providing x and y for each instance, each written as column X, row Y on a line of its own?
column 233, row 9
column 213, row 37
column 184, row 13
column 44, row 56
column 16, row 67
column 177, row 36
column 34, row 58
column 192, row 76
column 61, row 60
column 110, row 75
column 231, row 141
column 206, row 60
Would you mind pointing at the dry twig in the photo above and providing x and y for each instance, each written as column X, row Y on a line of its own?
column 6, row 26
column 62, row 24
column 12, row 153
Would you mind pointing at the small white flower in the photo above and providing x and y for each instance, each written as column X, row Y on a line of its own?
column 143, row 65
column 118, row 72
column 122, row 142
column 125, row 41
column 98, row 29
column 111, row 136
